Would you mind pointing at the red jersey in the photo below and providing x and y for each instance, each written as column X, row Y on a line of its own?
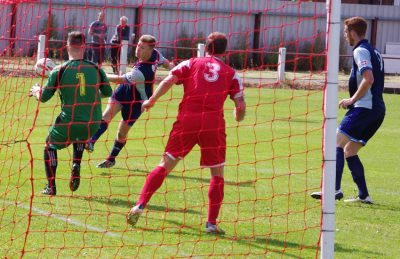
column 207, row 81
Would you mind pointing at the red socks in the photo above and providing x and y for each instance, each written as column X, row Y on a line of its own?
column 215, row 192
column 153, row 181
column 215, row 197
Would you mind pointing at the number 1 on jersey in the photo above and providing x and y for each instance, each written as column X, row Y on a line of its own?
column 82, row 83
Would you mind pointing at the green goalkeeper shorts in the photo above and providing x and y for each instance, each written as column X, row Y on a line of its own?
column 62, row 134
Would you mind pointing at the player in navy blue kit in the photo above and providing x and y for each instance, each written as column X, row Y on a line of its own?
column 136, row 87
column 366, row 108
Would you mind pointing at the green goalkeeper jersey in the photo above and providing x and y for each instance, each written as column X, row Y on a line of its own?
column 79, row 83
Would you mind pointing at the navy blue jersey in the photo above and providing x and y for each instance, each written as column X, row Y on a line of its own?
column 139, row 87
column 143, row 75
column 366, row 57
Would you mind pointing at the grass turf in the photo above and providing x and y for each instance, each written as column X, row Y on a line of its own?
column 273, row 163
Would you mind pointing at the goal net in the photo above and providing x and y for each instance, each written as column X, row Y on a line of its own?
column 273, row 161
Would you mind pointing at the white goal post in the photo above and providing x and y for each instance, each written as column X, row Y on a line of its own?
column 333, row 25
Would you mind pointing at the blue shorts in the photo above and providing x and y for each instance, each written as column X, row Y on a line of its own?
column 131, row 102
column 360, row 124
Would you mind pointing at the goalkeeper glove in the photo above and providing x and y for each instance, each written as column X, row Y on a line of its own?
column 35, row 91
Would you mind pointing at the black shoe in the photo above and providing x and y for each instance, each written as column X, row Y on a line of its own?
column 338, row 195
column 318, row 195
column 75, row 179
column 49, row 190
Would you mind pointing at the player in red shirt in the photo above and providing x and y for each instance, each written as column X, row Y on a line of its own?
column 207, row 81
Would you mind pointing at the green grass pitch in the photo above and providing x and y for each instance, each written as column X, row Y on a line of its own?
column 274, row 160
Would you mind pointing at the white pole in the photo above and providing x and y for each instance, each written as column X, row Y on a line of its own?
column 281, row 64
column 200, row 50
column 333, row 23
column 41, row 47
column 123, row 61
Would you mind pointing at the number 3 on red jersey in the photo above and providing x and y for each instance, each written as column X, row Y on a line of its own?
column 211, row 72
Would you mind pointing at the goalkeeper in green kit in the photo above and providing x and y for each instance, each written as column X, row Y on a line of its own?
column 80, row 84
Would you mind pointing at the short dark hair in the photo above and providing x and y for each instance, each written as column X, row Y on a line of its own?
column 148, row 39
column 216, row 43
column 357, row 24
column 76, row 39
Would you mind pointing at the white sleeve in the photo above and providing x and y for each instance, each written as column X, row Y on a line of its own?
column 362, row 58
column 137, row 78
column 134, row 76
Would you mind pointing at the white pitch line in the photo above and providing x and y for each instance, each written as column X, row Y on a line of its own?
column 65, row 219
column 80, row 224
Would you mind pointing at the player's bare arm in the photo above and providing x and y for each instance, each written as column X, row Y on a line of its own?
column 365, row 85
column 162, row 88
column 240, row 108
column 168, row 65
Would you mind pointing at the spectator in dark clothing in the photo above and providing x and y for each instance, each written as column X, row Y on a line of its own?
column 98, row 31
column 121, row 33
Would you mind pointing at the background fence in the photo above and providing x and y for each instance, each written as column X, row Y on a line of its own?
column 259, row 32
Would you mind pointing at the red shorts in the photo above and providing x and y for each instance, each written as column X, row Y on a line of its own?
column 208, row 134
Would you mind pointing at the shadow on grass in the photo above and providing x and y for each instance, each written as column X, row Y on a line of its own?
column 123, row 170
column 359, row 252
column 263, row 243
column 143, row 173
column 207, row 180
column 271, row 245
column 268, row 244
column 127, row 204
column 299, row 120
column 162, row 208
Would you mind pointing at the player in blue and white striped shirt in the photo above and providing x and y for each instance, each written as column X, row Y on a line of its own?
column 366, row 108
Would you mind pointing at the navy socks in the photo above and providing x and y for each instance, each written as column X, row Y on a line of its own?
column 339, row 166
column 357, row 171
column 100, row 131
column 115, row 150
